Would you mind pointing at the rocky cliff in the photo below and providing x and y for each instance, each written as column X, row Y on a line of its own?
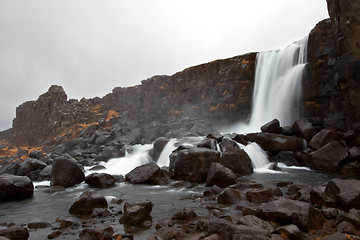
column 219, row 91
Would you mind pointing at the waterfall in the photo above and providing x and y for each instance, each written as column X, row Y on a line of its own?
column 164, row 160
column 278, row 87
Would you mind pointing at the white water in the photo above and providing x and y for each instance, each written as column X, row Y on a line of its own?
column 278, row 87
column 164, row 160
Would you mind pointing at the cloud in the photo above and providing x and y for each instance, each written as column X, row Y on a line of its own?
column 90, row 46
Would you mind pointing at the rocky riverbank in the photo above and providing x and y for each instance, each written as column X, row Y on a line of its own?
column 230, row 205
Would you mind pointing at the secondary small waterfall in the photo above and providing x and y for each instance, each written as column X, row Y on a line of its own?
column 278, row 87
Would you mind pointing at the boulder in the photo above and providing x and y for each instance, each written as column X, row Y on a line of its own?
column 66, row 172
column 253, row 221
column 158, row 145
column 136, row 213
column 227, row 143
column 304, row 129
column 30, row 164
column 186, row 214
column 285, row 211
column 15, row 187
column 146, row 173
column 237, row 160
column 345, row 193
column 192, row 164
column 209, row 143
column 168, row 233
column 87, row 202
column 262, row 195
column 322, row 138
column 288, row 158
column 278, row 143
column 272, row 127
column 100, row 180
column 290, row 232
column 215, row 135
column 229, row 196
column 328, row 157
column 15, row 233
column 220, row 176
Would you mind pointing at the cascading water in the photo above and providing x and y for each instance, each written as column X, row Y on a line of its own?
column 278, row 87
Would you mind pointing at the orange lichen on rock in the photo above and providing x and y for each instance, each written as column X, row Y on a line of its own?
column 112, row 114
column 96, row 109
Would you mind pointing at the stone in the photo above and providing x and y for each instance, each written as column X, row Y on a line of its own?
column 184, row 215
column 335, row 236
column 277, row 143
column 30, row 164
column 237, row 160
column 227, row 143
column 136, row 213
column 66, row 172
column 209, row 143
column 354, row 153
column 287, row 157
column 346, row 227
column 328, row 157
column 285, row 211
column 220, row 176
column 38, row 225
column 253, row 221
column 158, row 145
column 290, row 232
column 303, row 128
column 213, row 237
column 100, row 180
column 16, row 233
column 344, row 192
column 192, row 164
column 87, row 202
column 262, row 195
column 272, row 127
column 168, row 233
column 146, row 173
column 322, row 138
column 15, row 187
column 228, row 230
column 216, row 135
column 229, row 196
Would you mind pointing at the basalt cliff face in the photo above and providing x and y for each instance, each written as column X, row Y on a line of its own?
column 219, row 91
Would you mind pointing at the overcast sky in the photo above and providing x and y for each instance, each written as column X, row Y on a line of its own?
column 91, row 46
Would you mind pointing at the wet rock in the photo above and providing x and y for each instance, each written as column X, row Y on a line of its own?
column 290, row 232
column 168, row 233
column 344, row 193
column 328, row 157
column 146, row 173
column 237, row 160
column 18, row 233
column 322, row 138
column 100, row 180
column 136, row 213
column 66, row 172
column 262, row 195
column 209, row 143
column 227, row 143
column 220, row 176
column 87, row 202
column 272, row 127
column 45, row 173
column 30, row 164
column 15, row 187
column 228, row 230
column 38, row 225
column 213, row 237
column 253, row 221
column 278, row 143
column 229, row 196
column 288, row 158
column 93, row 234
column 304, row 129
column 158, row 145
column 184, row 215
column 192, row 164
column 215, row 135
column 287, row 211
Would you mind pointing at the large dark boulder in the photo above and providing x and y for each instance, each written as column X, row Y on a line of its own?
column 304, row 129
column 192, row 164
column 146, row 173
column 285, row 211
column 237, row 160
column 322, row 138
column 66, row 172
column 15, row 233
column 277, row 142
column 100, row 180
column 87, row 202
column 230, row 196
column 272, row 127
column 15, row 187
column 30, row 164
column 344, row 193
column 220, row 176
column 328, row 157
column 136, row 213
